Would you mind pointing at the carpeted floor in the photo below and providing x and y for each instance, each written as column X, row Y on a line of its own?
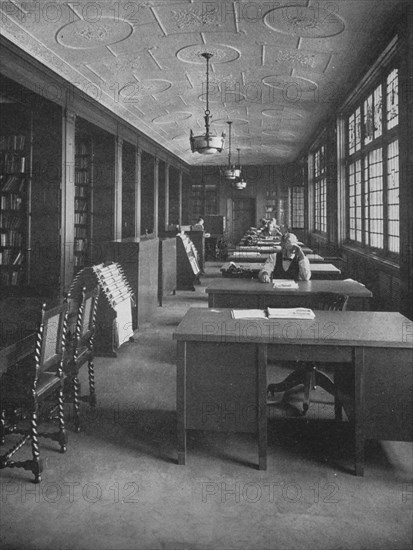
column 119, row 487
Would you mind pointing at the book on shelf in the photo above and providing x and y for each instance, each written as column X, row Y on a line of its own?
column 284, row 283
column 274, row 313
column 18, row 259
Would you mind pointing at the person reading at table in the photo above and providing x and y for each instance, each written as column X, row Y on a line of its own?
column 273, row 228
column 290, row 263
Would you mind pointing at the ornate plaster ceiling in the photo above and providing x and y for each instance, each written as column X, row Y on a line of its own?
column 278, row 68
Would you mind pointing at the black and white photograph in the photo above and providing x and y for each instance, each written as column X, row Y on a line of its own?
column 206, row 275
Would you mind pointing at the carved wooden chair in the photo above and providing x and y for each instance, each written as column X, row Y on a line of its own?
column 82, row 348
column 31, row 383
column 309, row 374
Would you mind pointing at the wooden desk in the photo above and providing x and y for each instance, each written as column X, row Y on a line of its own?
column 315, row 258
column 221, row 371
column 247, row 293
column 325, row 271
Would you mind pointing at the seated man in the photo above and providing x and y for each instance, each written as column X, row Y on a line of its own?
column 273, row 228
column 290, row 263
column 284, row 232
column 199, row 226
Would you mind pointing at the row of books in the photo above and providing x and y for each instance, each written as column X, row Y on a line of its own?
column 10, row 278
column 80, row 245
column 82, row 177
column 82, row 148
column 8, row 220
column 79, row 261
column 11, row 202
column 15, row 142
column 80, row 232
column 82, row 162
column 81, row 204
column 81, row 218
column 11, row 163
column 11, row 238
column 12, row 184
column 9, row 257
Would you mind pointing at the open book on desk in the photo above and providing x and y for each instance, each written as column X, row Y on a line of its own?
column 274, row 313
column 284, row 283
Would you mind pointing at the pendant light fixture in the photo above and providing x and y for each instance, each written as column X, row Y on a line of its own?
column 230, row 172
column 207, row 144
column 240, row 183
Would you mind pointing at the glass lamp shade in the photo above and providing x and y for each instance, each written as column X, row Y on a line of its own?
column 207, row 145
column 232, row 173
column 240, row 184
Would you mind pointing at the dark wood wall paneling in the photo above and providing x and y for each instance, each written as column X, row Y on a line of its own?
column 128, row 190
column 103, row 190
column 147, row 193
column 174, row 196
column 161, row 198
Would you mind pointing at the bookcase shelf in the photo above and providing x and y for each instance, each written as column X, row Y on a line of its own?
column 14, row 182
column 83, row 200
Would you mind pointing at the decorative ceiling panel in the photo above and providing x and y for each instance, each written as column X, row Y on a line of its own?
column 278, row 69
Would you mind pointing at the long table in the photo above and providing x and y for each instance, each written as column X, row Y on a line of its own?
column 318, row 271
column 254, row 254
column 221, row 371
column 242, row 293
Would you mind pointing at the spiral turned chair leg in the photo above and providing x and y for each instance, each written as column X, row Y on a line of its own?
column 62, row 430
column 92, row 391
column 76, row 392
column 36, row 463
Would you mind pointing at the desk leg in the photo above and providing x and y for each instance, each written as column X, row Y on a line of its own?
column 359, row 411
column 262, row 406
column 181, row 401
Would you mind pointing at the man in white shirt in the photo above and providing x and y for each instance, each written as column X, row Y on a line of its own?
column 290, row 263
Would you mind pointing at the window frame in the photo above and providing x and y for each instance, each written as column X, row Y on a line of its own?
column 319, row 185
column 381, row 142
column 294, row 205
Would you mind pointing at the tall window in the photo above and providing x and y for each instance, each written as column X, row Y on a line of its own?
column 297, row 207
column 320, row 190
column 372, row 158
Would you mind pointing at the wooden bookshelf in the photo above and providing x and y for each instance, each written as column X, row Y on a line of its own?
column 83, row 201
column 14, row 187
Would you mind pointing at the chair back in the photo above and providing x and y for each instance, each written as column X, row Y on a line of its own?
column 330, row 301
column 51, row 338
column 86, row 317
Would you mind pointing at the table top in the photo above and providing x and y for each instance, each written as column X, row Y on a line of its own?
column 317, row 268
column 256, row 252
column 324, row 268
column 315, row 258
column 261, row 249
column 382, row 329
column 249, row 286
